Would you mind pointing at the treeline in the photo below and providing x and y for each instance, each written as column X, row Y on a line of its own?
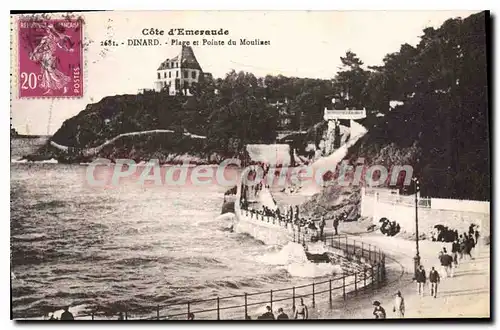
column 442, row 129
column 440, row 124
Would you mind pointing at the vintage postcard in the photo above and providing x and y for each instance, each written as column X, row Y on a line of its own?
column 250, row 165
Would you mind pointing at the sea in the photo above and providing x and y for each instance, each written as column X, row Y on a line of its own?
column 134, row 248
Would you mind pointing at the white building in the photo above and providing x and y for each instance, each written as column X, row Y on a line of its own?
column 179, row 73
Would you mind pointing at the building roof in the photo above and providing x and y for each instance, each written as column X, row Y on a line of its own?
column 186, row 58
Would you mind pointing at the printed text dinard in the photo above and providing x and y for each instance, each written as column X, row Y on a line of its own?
column 155, row 37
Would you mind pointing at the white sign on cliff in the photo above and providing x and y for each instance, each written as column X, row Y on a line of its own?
column 344, row 114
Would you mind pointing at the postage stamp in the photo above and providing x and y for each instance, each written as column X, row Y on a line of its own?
column 50, row 58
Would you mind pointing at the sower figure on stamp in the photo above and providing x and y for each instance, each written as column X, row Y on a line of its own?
column 44, row 53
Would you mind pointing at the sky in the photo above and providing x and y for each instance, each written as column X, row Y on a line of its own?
column 302, row 43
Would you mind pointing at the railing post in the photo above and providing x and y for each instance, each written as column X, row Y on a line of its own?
column 343, row 286
column 364, row 277
column 354, row 247
column 356, row 283
column 293, row 298
column 373, row 283
column 362, row 249
column 330, row 287
column 157, row 312
column 370, row 252
column 271, row 294
column 314, row 301
column 188, row 308
column 218, row 309
column 346, row 246
column 246, row 306
column 378, row 275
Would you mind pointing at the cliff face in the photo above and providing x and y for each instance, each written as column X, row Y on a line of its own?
column 442, row 127
column 118, row 115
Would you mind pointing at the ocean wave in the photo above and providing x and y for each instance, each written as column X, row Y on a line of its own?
column 23, row 161
column 245, row 237
column 31, row 237
column 313, row 270
column 293, row 259
column 49, row 205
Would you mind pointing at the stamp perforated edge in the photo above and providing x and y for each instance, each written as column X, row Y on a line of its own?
column 14, row 50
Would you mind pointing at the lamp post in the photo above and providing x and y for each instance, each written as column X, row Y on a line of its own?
column 416, row 259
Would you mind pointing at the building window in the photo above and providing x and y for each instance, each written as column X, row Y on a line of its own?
column 164, row 75
column 193, row 74
column 186, row 74
column 159, row 75
column 170, row 74
column 176, row 74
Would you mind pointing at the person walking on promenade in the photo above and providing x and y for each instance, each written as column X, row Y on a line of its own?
column 476, row 235
column 336, row 224
column 399, row 305
column 420, row 278
column 281, row 315
column 467, row 246
column 190, row 317
column 455, row 249
column 67, row 315
column 434, row 279
column 446, row 263
column 268, row 315
column 301, row 310
column 322, row 227
column 378, row 311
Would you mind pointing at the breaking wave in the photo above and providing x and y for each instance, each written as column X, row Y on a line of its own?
column 293, row 259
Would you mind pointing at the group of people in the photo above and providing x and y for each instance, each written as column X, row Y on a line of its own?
column 461, row 249
column 300, row 313
column 421, row 278
column 398, row 307
column 66, row 315
column 445, row 234
column 389, row 228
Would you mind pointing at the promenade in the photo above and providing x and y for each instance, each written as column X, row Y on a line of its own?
column 467, row 294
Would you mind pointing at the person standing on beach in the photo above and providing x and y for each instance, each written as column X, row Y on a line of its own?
column 301, row 310
column 434, row 279
column 399, row 305
column 420, row 277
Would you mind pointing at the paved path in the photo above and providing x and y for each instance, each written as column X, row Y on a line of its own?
column 467, row 294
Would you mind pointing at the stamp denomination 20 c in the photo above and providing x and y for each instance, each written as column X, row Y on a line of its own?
column 50, row 58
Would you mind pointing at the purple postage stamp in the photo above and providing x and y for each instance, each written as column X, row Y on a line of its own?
column 50, row 58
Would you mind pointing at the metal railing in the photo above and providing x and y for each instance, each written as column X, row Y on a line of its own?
column 367, row 273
